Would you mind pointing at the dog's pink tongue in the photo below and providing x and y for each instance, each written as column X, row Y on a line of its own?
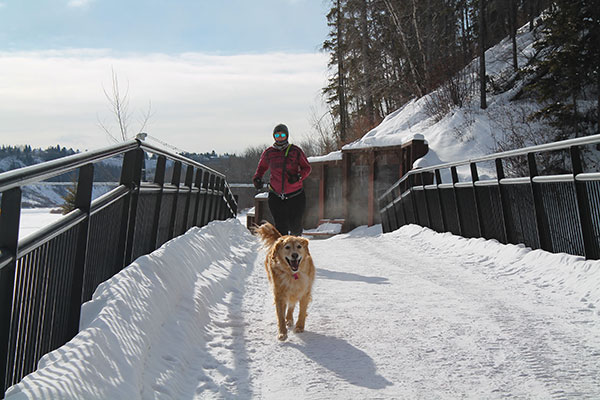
column 296, row 275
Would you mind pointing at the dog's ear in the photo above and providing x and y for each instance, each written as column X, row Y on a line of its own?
column 275, row 249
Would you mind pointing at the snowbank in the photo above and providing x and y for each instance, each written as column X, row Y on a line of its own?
column 569, row 274
column 122, row 346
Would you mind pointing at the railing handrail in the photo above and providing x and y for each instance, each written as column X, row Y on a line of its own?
column 563, row 144
column 178, row 157
column 49, row 169
column 52, row 168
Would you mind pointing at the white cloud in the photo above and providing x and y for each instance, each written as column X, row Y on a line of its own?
column 200, row 102
column 79, row 3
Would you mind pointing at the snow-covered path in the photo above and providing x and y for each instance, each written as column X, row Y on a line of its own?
column 401, row 318
column 409, row 314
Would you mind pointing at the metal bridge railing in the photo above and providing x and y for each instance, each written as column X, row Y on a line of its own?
column 557, row 213
column 45, row 278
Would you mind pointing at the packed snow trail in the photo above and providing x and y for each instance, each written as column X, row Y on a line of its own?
column 405, row 315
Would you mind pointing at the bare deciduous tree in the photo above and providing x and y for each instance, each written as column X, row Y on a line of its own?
column 119, row 107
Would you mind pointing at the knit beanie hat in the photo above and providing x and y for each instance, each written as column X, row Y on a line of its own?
column 281, row 128
column 282, row 144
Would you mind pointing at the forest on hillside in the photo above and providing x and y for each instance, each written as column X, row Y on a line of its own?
column 384, row 53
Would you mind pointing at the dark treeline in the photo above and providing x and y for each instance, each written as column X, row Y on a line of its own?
column 237, row 168
column 384, row 53
column 28, row 154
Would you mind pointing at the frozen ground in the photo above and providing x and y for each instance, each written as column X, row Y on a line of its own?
column 33, row 219
column 404, row 315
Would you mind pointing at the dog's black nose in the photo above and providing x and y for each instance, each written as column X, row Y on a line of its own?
column 294, row 255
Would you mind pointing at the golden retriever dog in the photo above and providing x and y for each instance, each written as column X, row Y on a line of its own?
column 291, row 273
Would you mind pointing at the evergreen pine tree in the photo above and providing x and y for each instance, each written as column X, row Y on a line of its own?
column 569, row 61
column 69, row 198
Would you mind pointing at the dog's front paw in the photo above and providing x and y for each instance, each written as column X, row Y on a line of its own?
column 299, row 329
column 282, row 336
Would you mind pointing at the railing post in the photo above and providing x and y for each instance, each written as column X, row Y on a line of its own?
column 503, row 200
column 10, row 217
column 411, row 183
column 215, row 201
column 189, row 178
column 538, row 205
column 406, row 222
column 209, row 199
column 206, row 198
column 222, row 201
column 135, row 194
column 392, row 218
column 198, row 184
column 590, row 244
column 438, row 181
column 225, row 202
column 474, row 179
column 159, row 179
column 176, row 179
column 130, row 177
column 83, row 200
column 454, row 174
column 427, row 211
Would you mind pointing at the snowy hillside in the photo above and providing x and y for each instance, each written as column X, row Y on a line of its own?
column 465, row 132
column 51, row 194
column 403, row 315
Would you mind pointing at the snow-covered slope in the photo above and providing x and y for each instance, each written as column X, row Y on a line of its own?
column 407, row 314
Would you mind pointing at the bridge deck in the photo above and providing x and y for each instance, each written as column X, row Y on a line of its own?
column 410, row 314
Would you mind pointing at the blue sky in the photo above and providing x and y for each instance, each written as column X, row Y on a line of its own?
column 215, row 26
column 219, row 74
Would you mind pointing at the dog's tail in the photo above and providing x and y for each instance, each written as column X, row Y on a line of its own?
column 267, row 233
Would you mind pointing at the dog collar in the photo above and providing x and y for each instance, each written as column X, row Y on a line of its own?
column 296, row 276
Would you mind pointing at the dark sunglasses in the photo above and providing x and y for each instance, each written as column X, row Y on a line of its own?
column 276, row 135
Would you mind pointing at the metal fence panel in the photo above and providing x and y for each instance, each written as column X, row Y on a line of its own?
column 103, row 260
column 593, row 191
column 521, row 223
column 450, row 210
column 560, row 205
column 468, row 216
column 435, row 210
column 490, row 207
column 142, row 240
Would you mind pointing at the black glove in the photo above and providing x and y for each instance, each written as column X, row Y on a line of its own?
column 293, row 178
column 258, row 183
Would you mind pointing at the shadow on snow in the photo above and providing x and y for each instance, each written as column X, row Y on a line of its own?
column 340, row 357
column 350, row 277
